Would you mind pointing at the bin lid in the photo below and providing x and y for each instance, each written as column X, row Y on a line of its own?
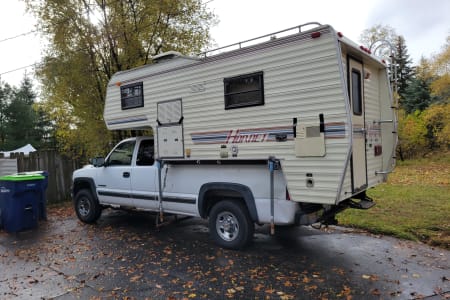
column 22, row 177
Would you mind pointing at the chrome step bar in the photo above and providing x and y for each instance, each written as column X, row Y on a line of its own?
column 383, row 121
column 383, row 172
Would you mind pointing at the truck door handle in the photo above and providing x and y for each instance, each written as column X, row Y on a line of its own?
column 126, row 174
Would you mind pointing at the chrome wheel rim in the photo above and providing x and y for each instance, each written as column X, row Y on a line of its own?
column 84, row 207
column 227, row 226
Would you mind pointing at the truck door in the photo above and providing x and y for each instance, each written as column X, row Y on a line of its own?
column 113, row 179
column 356, row 92
column 143, row 179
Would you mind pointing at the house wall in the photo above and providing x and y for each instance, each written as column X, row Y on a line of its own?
column 8, row 166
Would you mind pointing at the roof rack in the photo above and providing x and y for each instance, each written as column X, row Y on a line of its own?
column 271, row 36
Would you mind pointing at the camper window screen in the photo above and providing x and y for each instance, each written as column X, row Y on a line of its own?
column 132, row 95
column 244, row 90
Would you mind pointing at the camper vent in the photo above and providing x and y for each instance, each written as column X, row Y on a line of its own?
column 166, row 56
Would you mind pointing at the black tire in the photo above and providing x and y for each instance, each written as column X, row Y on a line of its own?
column 230, row 225
column 87, row 208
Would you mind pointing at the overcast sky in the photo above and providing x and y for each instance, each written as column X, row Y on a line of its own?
column 425, row 24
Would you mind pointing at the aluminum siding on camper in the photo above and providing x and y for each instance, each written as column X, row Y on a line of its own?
column 378, row 106
column 115, row 117
column 302, row 79
column 372, row 113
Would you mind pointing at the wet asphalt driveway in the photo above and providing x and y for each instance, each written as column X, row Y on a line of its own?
column 125, row 256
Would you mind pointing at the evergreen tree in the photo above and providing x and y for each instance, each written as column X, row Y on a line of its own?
column 403, row 64
column 25, row 92
column 21, row 117
column 44, row 128
column 417, row 95
column 5, row 98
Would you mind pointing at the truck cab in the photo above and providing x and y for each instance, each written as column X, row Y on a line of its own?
column 126, row 177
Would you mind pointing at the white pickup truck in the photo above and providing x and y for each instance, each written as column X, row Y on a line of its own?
column 233, row 193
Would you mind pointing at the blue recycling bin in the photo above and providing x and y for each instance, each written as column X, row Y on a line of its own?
column 20, row 198
column 42, row 205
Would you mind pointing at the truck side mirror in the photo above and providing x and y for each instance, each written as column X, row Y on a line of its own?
column 97, row 161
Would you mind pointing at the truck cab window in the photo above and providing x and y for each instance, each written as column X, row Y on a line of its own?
column 145, row 155
column 122, row 154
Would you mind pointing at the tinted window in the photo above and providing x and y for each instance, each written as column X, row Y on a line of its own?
column 145, row 155
column 132, row 95
column 244, row 90
column 356, row 92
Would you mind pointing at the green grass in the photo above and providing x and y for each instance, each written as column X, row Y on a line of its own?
column 414, row 204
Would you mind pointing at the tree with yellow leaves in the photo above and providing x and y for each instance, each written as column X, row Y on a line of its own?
column 90, row 40
column 441, row 68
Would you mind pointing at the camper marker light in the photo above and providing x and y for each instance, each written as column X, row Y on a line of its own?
column 118, row 83
column 315, row 35
column 340, row 34
column 367, row 50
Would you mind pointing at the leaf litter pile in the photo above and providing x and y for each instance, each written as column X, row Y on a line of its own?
column 426, row 174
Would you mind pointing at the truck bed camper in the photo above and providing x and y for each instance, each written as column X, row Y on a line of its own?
column 288, row 128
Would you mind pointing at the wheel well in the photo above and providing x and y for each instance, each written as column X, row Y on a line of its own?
column 211, row 197
column 211, row 193
column 83, row 183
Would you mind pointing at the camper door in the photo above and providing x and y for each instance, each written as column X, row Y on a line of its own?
column 356, row 92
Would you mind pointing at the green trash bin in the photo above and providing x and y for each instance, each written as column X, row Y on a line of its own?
column 20, row 195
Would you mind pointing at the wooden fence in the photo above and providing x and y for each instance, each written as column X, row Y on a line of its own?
column 58, row 167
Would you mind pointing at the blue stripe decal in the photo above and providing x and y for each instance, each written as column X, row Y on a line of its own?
column 258, row 135
column 127, row 120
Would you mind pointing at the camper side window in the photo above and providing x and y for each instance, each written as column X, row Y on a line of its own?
column 356, row 92
column 132, row 95
column 244, row 90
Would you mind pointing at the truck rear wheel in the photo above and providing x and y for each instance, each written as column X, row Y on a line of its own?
column 230, row 225
column 87, row 208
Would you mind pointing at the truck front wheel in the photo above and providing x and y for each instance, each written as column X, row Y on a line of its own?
column 230, row 225
column 87, row 208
